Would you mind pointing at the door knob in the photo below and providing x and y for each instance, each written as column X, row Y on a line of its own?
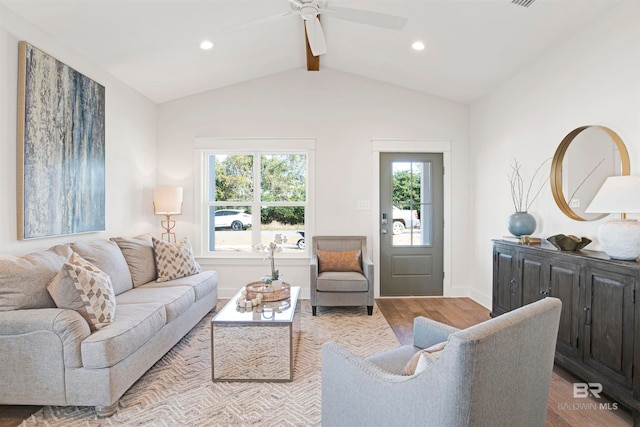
column 384, row 231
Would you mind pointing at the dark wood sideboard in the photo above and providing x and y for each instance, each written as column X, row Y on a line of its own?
column 599, row 334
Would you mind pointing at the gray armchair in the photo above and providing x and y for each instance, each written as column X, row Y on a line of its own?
column 496, row 373
column 341, row 288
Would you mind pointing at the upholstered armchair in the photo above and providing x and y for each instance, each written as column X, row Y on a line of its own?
column 496, row 373
column 341, row 272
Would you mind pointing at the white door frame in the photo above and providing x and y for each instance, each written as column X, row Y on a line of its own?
column 412, row 146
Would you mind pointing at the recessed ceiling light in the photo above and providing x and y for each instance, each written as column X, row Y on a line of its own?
column 417, row 45
column 206, row 45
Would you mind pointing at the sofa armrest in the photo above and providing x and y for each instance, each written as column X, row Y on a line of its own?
column 70, row 328
column 427, row 332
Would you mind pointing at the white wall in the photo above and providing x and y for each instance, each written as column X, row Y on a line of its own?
column 591, row 79
column 344, row 113
column 130, row 142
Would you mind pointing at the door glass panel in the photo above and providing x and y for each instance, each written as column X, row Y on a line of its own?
column 412, row 204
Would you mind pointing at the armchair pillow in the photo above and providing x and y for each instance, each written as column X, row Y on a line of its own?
column 339, row 261
column 83, row 287
column 175, row 260
column 422, row 359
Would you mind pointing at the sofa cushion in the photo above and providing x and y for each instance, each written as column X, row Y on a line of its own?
column 174, row 260
column 339, row 261
column 202, row 283
column 140, row 256
column 342, row 281
column 24, row 279
column 176, row 299
column 107, row 256
column 135, row 325
column 82, row 287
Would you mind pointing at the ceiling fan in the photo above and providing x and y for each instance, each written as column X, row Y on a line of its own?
column 310, row 11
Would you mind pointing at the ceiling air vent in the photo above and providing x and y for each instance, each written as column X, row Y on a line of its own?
column 523, row 3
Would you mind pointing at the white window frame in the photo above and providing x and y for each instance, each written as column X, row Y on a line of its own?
column 204, row 147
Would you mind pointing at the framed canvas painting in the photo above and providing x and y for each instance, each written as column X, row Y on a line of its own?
column 61, row 148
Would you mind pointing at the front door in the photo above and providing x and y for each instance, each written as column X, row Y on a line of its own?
column 411, row 224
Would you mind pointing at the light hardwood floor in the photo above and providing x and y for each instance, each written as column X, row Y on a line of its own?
column 461, row 313
column 464, row 312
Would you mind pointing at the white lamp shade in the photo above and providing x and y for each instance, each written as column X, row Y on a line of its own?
column 618, row 194
column 167, row 200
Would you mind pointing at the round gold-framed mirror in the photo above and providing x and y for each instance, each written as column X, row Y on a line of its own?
column 580, row 165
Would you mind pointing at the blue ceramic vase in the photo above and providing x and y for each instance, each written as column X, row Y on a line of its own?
column 522, row 224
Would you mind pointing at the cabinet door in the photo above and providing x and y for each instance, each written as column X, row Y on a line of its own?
column 504, row 283
column 533, row 277
column 564, row 284
column 608, row 323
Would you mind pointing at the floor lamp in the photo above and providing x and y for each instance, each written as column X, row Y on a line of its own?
column 167, row 201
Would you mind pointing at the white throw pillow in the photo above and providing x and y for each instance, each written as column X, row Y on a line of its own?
column 423, row 358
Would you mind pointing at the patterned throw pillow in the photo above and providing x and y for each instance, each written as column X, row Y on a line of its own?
column 83, row 287
column 175, row 260
column 339, row 261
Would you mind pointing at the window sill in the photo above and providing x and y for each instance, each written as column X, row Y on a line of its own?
column 251, row 260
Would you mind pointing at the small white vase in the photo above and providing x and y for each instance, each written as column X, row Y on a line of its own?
column 276, row 284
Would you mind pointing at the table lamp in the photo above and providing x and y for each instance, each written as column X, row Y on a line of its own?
column 619, row 238
column 167, row 201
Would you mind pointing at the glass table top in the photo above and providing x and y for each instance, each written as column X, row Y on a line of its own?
column 273, row 311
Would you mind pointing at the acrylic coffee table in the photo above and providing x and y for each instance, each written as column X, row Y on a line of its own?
column 256, row 345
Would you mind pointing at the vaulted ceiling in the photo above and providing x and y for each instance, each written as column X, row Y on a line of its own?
column 153, row 45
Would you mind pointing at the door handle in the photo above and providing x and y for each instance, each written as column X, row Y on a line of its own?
column 384, row 231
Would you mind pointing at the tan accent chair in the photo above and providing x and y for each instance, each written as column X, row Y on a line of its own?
column 496, row 373
column 341, row 288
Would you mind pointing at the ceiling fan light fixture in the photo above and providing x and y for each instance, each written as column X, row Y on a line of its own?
column 206, row 45
column 417, row 45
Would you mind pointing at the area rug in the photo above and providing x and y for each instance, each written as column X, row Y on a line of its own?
column 178, row 391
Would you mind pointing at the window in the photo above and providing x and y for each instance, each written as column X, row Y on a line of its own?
column 250, row 196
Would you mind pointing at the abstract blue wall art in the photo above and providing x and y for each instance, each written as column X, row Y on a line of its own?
column 61, row 148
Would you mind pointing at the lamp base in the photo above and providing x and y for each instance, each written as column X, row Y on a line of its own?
column 168, row 224
column 620, row 239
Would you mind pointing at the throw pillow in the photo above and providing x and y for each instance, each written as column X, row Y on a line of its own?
column 339, row 261
column 138, row 251
column 83, row 287
column 107, row 256
column 23, row 279
column 174, row 260
column 423, row 358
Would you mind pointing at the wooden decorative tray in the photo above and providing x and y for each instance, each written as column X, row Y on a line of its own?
column 255, row 288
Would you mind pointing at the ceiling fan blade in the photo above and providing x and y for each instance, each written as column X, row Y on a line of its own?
column 366, row 17
column 296, row 2
column 315, row 35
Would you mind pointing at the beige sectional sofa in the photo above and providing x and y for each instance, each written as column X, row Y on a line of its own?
column 55, row 356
